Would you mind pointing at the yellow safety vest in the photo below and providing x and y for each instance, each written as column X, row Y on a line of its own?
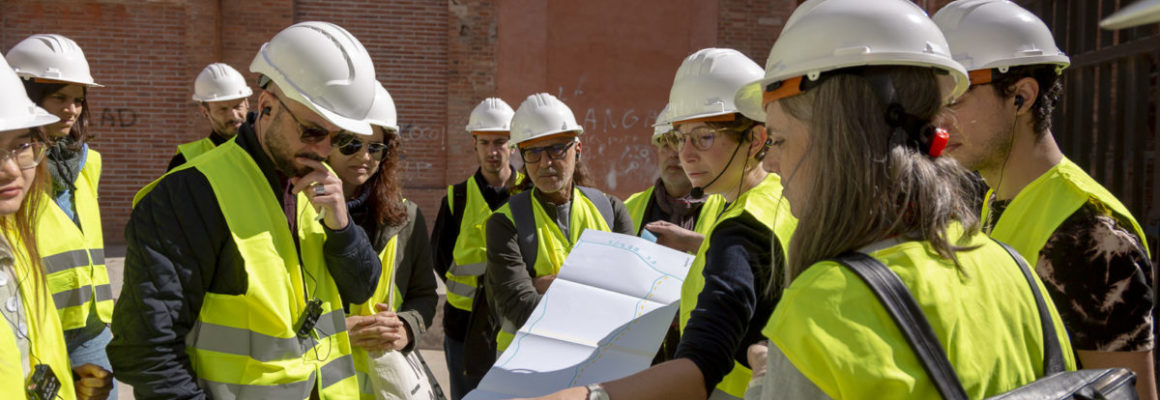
column 46, row 338
column 638, row 203
column 833, row 329
column 195, row 148
column 1038, row 210
column 553, row 246
column 246, row 346
column 765, row 203
column 470, row 251
column 74, row 257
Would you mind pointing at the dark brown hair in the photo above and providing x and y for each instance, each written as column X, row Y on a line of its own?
column 1043, row 105
column 38, row 91
column 386, row 200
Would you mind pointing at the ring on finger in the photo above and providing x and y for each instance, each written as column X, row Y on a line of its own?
column 319, row 189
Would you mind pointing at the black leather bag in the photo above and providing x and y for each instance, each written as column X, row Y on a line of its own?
column 1058, row 383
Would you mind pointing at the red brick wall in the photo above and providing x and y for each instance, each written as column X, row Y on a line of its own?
column 438, row 59
column 408, row 41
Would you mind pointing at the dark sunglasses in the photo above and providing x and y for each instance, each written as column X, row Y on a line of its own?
column 555, row 152
column 349, row 145
column 306, row 134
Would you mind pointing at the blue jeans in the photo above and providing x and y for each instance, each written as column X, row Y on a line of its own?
column 87, row 346
column 461, row 384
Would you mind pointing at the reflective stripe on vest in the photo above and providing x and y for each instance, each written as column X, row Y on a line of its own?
column 362, row 360
column 195, row 148
column 74, row 257
column 765, row 203
column 638, row 203
column 1044, row 204
column 46, row 338
column 553, row 246
column 469, row 256
column 268, row 360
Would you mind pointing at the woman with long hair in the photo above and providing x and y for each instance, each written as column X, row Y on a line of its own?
column 57, row 78
column 32, row 349
column 369, row 167
column 722, row 305
column 856, row 132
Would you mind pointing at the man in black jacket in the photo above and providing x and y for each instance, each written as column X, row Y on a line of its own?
column 183, row 254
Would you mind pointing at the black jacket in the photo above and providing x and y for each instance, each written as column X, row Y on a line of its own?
column 179, row 249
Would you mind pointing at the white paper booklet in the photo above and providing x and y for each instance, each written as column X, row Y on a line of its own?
column 603, row 318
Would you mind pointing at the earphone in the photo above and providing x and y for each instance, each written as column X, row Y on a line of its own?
column 1018, row 102
column 266, row 111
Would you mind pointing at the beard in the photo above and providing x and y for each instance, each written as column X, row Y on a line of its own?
column 283, row 157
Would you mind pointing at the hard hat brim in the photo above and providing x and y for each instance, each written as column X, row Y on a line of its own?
column 748, row 101
column 40, row 118
column 247, row 93
column 25, row 75
column 1139, row 13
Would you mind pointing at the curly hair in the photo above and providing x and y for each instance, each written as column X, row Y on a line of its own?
column 38, row 91
column 386, row 200
column 1050, row 88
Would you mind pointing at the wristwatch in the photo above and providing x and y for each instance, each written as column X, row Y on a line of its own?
column 596, row 392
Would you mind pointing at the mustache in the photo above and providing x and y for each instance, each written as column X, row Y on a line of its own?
column 311, row 156
column 548, row 172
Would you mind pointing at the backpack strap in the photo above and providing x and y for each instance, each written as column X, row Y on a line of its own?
column 525, row 220
column 1052, row 350
column 459, row 199
column 900, row 304
column 602, row 203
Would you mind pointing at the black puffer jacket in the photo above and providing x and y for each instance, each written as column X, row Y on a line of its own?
column 179, row 249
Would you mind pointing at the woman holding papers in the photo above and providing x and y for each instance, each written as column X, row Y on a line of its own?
column 860, row 154
column 369, row 169
column 723, row 305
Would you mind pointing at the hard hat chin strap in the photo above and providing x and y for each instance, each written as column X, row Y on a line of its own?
column 908, row 129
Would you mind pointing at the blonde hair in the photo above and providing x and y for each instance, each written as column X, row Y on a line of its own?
column 865, row 187
column 19, row 229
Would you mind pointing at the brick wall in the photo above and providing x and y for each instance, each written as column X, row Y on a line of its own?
column 437, row 58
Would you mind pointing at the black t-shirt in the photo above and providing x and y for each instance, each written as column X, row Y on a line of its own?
column 1100, row 277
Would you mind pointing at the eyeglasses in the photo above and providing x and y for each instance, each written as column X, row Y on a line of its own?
column 306, row 134
column 532, row 155
column 350, row 145
column 701, row 136
column 27, row 155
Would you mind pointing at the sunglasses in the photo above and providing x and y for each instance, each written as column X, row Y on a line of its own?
column 556, row 152
column 350, row 145
column 306, row 134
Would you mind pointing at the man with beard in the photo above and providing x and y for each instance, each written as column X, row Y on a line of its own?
column 223, row 99
column 529, row 237
column 460, row 252
column 1083, row 242
column 240, row 261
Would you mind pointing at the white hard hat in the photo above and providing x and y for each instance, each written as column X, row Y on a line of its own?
column 220, row 82
column 324, row 67
column 997, row 34
column 17, row 111
column 51, row 57
column 542, row 115
column 662, row 126
column 1139, row 13
column 827, row 35
column 383, row 111
column 491, row 115
column 706, row 81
